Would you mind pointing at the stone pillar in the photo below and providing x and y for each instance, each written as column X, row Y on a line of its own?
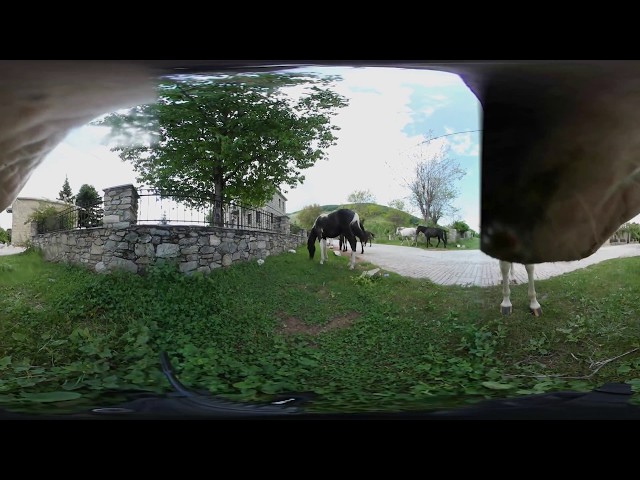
column 283, row 224
column 120, row 206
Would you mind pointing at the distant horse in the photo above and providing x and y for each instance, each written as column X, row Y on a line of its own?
column 407, row 233
column 430, row 232
column 505, row 306
column 342, row 222
column 343, row 243
column 368, row 237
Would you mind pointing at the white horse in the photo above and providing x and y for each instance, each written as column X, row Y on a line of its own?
column 505, row 306
column 407, row 233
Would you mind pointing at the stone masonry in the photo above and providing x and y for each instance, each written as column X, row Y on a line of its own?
column 122, row 244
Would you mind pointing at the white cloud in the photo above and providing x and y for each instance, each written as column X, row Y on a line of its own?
column 372, row 151
column 463, row 143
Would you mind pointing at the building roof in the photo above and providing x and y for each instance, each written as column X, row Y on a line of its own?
column 41, row 199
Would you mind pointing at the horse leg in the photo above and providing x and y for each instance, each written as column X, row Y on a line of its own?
column 534, row 306
column 354, row 245
column 505, row 307
column 323, row 251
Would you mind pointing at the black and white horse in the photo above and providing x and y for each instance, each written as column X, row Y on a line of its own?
column 433, row 232
column 331, row 225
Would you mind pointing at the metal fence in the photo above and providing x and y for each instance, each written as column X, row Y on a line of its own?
column 72, row 218
column 158, row 208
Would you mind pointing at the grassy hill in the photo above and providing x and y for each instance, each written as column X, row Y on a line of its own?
column 379, row 219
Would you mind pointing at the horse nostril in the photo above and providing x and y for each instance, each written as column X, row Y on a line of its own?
column 501, row 240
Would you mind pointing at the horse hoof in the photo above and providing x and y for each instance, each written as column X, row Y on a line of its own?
column 506, row 310
column 536, row 312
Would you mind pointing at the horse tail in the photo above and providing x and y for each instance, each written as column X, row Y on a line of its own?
column 311, row 242
column 444, row 233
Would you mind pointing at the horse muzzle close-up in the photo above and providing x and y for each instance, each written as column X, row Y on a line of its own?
column 560, row 157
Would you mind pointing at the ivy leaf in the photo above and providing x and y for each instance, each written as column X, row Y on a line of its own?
column 5, row 362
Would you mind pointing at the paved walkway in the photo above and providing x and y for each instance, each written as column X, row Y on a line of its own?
column 472, row 267
column 10, row 250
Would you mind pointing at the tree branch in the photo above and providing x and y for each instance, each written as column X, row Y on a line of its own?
column 583, row 377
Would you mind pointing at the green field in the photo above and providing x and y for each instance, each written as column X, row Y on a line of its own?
column 249, row 332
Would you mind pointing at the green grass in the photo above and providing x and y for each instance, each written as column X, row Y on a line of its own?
column 386, row 343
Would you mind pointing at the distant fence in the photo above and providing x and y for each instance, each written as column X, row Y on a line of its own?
column 159, row 208
column 72, row 218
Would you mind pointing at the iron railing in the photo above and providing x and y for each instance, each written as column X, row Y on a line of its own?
column 72, row 218
column 158, row 208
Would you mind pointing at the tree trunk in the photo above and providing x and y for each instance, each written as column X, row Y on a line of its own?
column 217, row 210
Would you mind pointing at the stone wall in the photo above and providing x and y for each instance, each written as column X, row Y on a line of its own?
column 122, row 244
column 136, row 247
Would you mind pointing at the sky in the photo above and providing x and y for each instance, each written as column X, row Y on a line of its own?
column 390, row 112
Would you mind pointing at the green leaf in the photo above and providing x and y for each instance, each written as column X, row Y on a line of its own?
column 5, row 362
column 624, row 368
column 50, row 396
column 18, row 336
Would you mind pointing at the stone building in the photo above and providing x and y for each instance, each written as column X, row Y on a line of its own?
column 21, row 210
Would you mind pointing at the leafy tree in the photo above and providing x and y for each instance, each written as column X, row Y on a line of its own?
column 433, row 186
column 4, row 236
column 461, row 226
column 295, row 229
column 308, row 215
column 628, row 231
column 90, row 201
column 66, row 195
column 397, row 204
column 361, row 196
column 397, row 219
column 210, row 140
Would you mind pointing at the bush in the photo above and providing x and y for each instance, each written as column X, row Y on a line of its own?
column 49, row 219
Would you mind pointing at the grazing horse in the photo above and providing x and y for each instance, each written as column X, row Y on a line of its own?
column 505, row 306
column 368, row 237
column 431, row 232
column 409, row 232
column 342, row 222
column 343, row 244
